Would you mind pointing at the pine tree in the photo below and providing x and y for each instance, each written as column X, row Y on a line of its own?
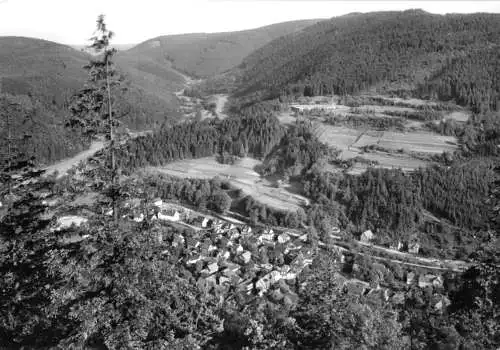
column 14, row 162
column 94, row 111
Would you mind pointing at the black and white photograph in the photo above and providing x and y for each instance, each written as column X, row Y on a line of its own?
column 249, row 175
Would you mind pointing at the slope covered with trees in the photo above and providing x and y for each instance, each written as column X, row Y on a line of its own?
column 255, row 132
column 203, row 54
column 402, row 52
column 42, row 76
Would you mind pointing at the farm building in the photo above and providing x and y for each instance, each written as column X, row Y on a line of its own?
column 316, row 107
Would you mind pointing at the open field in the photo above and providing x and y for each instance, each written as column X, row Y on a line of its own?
column 459, row 116
column 350, row 142
column 241, row 175
column 345, row 138
column 421, row 142
column 394, row 148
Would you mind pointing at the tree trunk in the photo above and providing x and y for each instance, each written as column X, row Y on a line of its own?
column 112, row 140
column 9, row 152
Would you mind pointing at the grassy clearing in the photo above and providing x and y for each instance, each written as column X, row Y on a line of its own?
column 241, row 175
column 420, row 142
column 459, row 116
column 396, row 148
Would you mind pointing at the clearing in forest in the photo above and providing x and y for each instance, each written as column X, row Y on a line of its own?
column 240, row 175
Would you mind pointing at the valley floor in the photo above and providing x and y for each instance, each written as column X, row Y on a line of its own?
column 241, row 175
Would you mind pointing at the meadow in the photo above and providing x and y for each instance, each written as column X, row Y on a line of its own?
column 240, row 175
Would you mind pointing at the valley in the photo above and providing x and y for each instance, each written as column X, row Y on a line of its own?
column 315, row 184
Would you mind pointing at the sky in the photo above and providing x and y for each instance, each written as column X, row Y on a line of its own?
column 72, row 22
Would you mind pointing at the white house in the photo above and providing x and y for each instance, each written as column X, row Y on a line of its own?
column 67, row 221
column 367, row 236
column 175, row 217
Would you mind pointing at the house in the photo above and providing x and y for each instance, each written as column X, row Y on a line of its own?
column 397, row 246
column 378, row 295
column 303, row 238
column 234, row 234
column 178, row 241
column 413, row 247
column 429, row 280
column 398, row 298
column 231, row 269
column 246, row 230
column 223, row 280
column 410, row 277
column 224, row 254
column 67, row 221
column 356, row 287
column 367, row 236
column 139, row 218
column 49, row 203
column 245, row 257
column 440, row 302
column 263, row 284
column 175, row 216
column 204, row 222
column 217, row 224
column 194, row 260
column 300, row 108
column 265, row 267
column 210, row 282
column 212, row 268
column 269, row 237
column 239, row 249
column 197, row 221
column 283, row 238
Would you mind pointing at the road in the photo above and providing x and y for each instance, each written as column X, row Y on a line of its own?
column 220, row 102
column 62, row 166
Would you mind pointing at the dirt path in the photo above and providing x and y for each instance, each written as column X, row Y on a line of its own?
column 220, row 101
column 64, row 165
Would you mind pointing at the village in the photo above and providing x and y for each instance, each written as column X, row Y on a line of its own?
column 226, row 256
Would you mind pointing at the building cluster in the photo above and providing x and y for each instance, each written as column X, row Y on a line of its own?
column 232, row 258
column 224, row 257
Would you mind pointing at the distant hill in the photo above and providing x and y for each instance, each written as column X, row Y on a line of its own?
column 44, row 75
column 39, row 67
column 119, row 47
column 410, row 52
column 203, row 55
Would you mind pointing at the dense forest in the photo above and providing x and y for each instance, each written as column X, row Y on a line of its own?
column 35, row 128
column 254, row 132
column 412, row 52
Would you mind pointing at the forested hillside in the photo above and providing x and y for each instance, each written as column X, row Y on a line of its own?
column 40, row 77
column 202, row 54
column 255, row 131
column 412, row 52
